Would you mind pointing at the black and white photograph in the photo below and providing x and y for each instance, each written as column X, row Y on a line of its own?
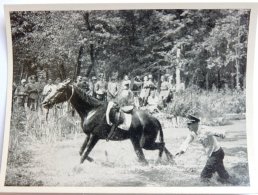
column 128, row 98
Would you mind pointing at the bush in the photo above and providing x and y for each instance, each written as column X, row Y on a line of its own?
column 211, row 106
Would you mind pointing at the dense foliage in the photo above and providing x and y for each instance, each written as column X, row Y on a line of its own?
column 208, row 46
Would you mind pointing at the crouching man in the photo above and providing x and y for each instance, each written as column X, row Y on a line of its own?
column 214, row 151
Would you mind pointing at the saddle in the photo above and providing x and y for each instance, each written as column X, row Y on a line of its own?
column 116, row 114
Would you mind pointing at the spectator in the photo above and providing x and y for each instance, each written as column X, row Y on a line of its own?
column 41, row 85
column 153, row 101
column 101, row 88
column 144, row 89
column 164, row 90
column 32, row 90
column 92, row 84
column 20, row 94
column 47, row 88
column 112, row 89
column 149, row 86
column 85, row 85
column 57, row 81
column 126, row 81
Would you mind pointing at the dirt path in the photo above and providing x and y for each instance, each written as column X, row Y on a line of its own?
column 116, row 163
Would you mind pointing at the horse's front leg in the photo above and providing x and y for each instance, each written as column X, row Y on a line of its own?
column 138, row 151
column 84, row 144
column 93, row 140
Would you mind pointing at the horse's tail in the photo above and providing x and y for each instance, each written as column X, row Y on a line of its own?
column 161, row 136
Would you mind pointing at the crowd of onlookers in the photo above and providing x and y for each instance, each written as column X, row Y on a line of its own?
column 137, row 91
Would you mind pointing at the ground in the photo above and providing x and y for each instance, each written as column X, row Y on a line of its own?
column 115, row 163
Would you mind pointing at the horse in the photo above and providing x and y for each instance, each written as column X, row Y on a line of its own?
column 142, row 132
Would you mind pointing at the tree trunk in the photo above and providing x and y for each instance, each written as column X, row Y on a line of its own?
column 92, row 52
column 22, row 72
column 92, row 58
column 218, row 79
column 178, row 78
column 207, row 80
column 79, row 61
column 237, row 75
column 237, row 61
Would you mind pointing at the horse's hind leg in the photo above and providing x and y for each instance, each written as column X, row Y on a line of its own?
column 84, row 144
column 93, row 141
column 168, row 154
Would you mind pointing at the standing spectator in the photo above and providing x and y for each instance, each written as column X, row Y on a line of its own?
column 41, row 85
column 136, row 85
column 153, row 101
column 85, row 84
column 47, row 88
column 144, row 89
column 164, row 90
column 20, row 94
column 57, row 81
column 126, row 81
column 92, row 84
column 112, row 89
column 101, row 88
column 172, row 89
column 149, row 86
column 78, row 81
column 32, row 90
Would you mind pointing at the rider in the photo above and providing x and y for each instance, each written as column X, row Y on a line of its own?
column 126, row 100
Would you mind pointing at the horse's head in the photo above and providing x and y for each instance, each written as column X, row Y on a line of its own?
column 57, row 94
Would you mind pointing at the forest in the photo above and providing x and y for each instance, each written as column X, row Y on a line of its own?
column 198, row 47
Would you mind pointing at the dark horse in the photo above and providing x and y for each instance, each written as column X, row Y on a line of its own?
column 143, row 131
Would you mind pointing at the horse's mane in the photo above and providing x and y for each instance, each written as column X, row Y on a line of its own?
column 87, row 98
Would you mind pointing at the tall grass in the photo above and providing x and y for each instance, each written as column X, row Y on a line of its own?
column 30, row 127
column 212, row 107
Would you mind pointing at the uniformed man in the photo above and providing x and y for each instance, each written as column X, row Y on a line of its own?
column 57, row 81
column 85, row 84
column 144, row 90
column 41, row 85
column 78, row 82
column 112, row 89
column 126, row 81
column 92, row 84
column 149, row 86
column 164, row 90
column 101, row 88
column 47, row 88
column 32, row 90
column 20, row 94
column 214, row 152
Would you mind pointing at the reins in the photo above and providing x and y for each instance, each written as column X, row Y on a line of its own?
column 69, row 100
